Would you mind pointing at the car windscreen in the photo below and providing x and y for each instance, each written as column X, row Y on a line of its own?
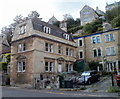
column 85, row 74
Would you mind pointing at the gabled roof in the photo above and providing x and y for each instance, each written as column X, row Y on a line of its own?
column 55, row 31
column 52, row 20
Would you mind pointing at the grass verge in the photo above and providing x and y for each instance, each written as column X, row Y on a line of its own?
column 113, row 89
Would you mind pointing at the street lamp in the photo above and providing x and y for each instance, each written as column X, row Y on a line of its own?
column 104, row 62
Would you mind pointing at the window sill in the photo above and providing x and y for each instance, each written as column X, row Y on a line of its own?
column 110, row 55
column 20, row 71
column 97, row 56
column 22, row 33
column 110, row 41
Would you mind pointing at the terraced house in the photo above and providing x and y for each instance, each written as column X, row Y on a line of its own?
column 103, row 47
column 40, row 51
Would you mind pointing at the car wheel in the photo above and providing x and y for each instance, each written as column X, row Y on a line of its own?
column 89, row 82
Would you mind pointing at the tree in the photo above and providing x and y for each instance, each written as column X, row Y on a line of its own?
column 33, row 14
column 93, row 27
column 116, row 22
column 67, row 16
column 93, row 65
column 18, row 19
column 3, row 65
column 113, row 15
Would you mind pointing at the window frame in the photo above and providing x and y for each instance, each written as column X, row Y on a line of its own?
column 60, row 49
column 22, row 29
column 21, row 47
column 109, row 53
column 21, row 66
column 49, row 67
column 81, row 51
column 109, row 37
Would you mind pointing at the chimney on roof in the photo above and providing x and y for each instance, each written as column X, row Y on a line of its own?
column 63, row 25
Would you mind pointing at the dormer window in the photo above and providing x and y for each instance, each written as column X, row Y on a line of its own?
column 22, row 29
column 66, row 36
column 47, row 29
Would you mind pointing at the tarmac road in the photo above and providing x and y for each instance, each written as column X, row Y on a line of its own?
column 21, row 92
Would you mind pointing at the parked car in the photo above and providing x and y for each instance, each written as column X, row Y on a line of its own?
column 118, row 78
column 75, row 78
column 89, row 77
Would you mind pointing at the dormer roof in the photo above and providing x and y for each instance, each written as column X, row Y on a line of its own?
column 55, row 31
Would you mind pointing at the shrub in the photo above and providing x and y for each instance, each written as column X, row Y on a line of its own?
column 113, row 90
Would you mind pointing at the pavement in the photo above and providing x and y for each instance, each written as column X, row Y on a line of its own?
column 98, row 89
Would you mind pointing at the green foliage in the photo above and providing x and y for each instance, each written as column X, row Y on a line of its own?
column 113, row 16
column 83, row 88
column 73, row 25
column 86, row 68
column 7, row 56
column 93, row 27
column 74, row 29
column 113, row 90
column 93, row 65
column 116, row 22
column 3, row 65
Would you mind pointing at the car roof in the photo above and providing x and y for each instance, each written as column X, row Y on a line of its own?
column 91, row 71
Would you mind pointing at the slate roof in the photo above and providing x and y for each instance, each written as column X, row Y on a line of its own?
column 55, row 31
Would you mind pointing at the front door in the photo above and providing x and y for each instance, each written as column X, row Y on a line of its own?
column 59, row 67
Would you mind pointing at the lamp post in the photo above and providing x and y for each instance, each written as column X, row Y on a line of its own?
column 104, row 62
column 112, row 79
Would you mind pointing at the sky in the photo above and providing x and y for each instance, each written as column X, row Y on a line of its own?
column 46, row 8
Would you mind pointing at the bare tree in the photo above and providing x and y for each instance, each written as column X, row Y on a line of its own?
column 67, row 16
column 18, row 19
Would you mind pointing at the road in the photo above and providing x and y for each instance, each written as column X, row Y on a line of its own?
column 21, row 92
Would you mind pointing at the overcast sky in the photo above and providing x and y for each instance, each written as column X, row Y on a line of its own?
column 46, row 8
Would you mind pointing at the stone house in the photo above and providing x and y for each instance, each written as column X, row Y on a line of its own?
column 103, row 47
column 111, row 6
column 39, row 52
column 88, row 14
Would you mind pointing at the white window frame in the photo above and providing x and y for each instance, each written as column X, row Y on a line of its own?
column 96, row 40
column 69, row 67
column 49, row 47
column 21, row 47
column 70, row 52
column 67, row 51
column 50, row 66
column 97, row 52
column 79, row 43
column 110, row 51
column 47, row 66
column 82, row 54
column 20, row 66
column 22, row 29
column 60, row 49
column 66, row 36
column 109, row 37
column 47, row 29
